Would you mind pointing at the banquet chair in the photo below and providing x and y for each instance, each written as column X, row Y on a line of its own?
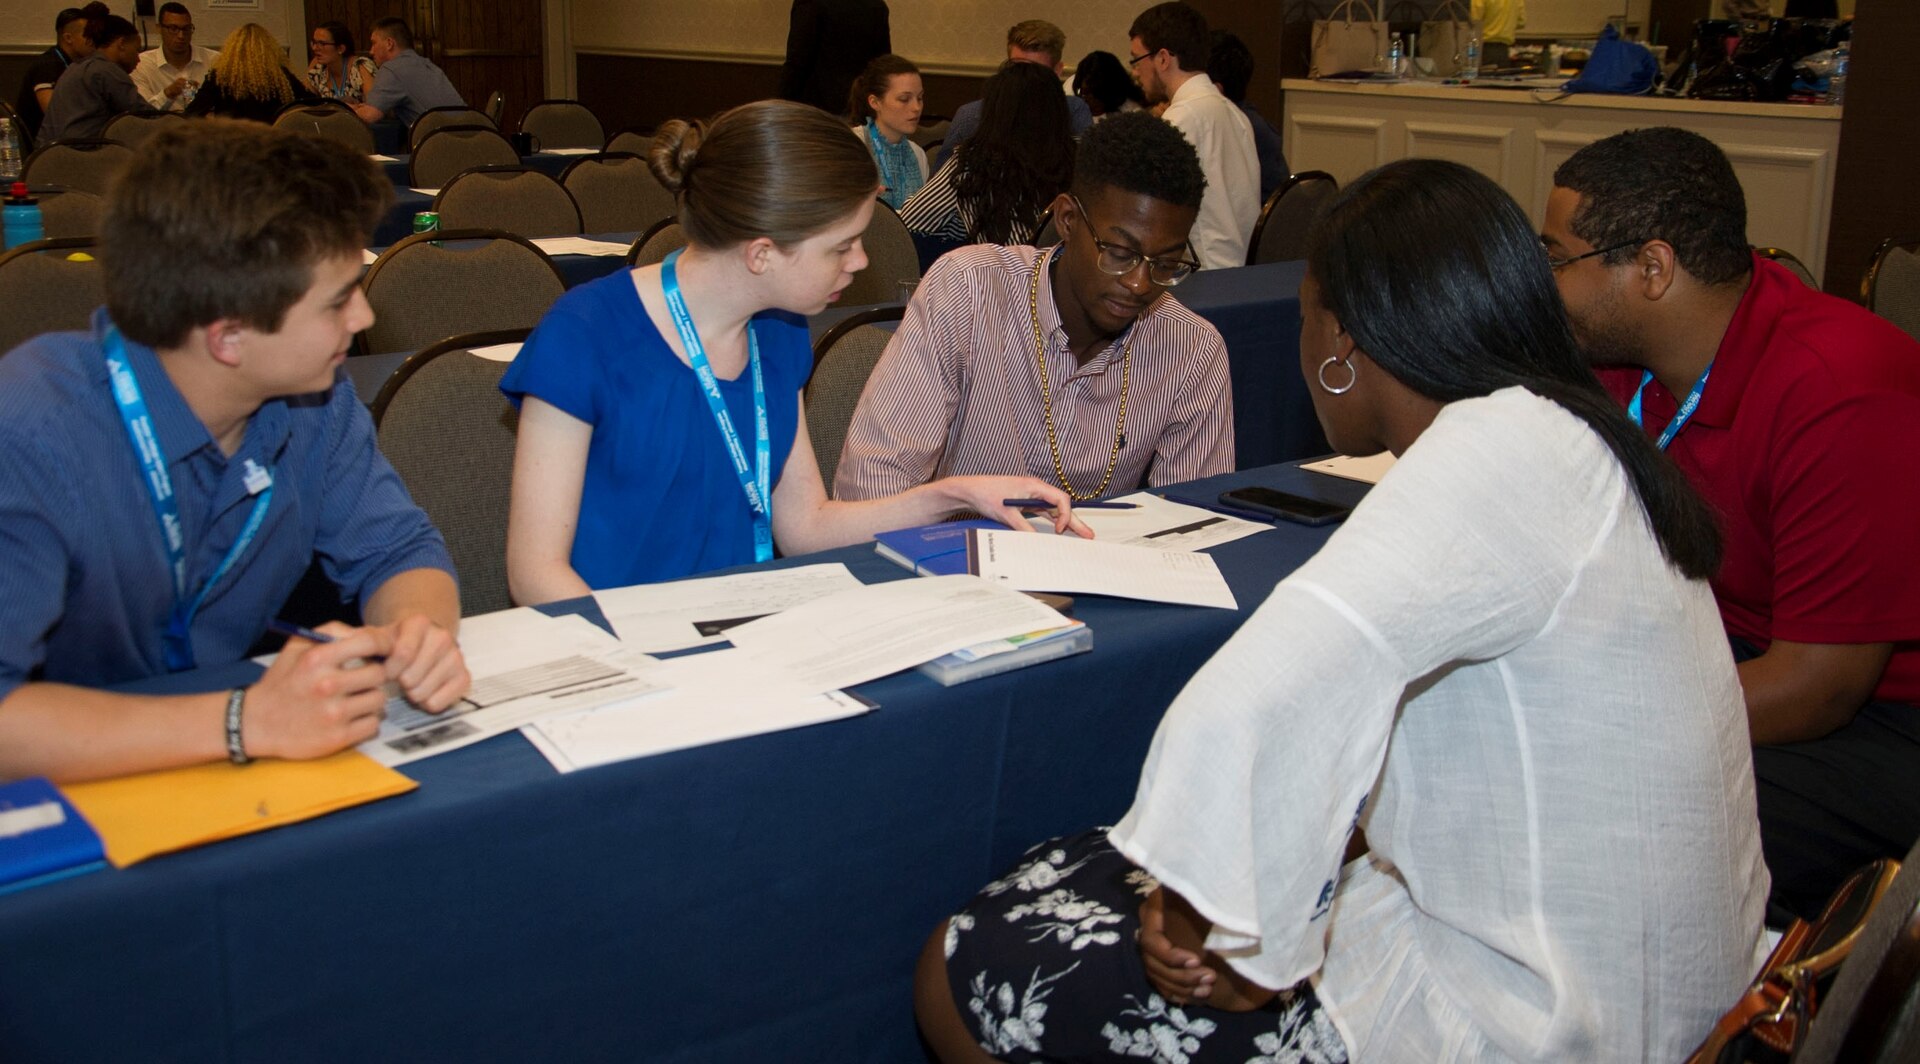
column 563, row 124
column 449, row 433
column 496, row 107
column 931, row 131
column 1871, row 1015
column 1891, row 287
column 444, row 283
column 1281, row 233
column 330, row 119
column 631, row 140
column 890, row 260
column 1048, row 234
column 1791, row 262
column 66, row 212
column 616, row 192
column 450, row 149
column 842, row 361
column 83, row 164
column 45, row 291
column 657, row 243
column 512, row 198
column 133, row 128
column 436, row 118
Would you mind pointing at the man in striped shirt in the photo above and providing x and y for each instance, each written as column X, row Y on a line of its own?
column 1066, row 363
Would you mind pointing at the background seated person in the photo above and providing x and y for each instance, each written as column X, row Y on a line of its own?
column 1505, row 668
column 1801, row 436
column 996, row 187
column 1102, row 82
column 885, row 107
column 250, row 78
column 661, row 429
column 961, row 389
column 168, row 76
column 1034, row 41
column 71, row 45
column 206, row 401
column 337, row 72
column 408, row 84
column 99, row 87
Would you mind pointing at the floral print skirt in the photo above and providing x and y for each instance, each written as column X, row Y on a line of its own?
column 1044, row 966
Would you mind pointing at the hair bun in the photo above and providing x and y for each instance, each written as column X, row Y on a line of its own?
column 671, row 156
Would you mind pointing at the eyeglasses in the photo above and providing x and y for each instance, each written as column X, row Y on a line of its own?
column 320, row 44
column 1118, row 260
column 1133, row 60
column 184, row 31
column 1561, row 264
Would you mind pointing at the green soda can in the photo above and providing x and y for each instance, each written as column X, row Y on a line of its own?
column 426, row 221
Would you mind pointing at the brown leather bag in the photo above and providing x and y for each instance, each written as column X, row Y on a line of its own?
column 1343, row 46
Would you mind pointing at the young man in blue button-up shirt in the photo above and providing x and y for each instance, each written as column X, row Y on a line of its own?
column 167, row 476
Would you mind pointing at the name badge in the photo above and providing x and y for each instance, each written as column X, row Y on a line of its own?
column 257, row 479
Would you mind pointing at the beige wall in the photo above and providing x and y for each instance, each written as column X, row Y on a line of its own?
column 27, row 25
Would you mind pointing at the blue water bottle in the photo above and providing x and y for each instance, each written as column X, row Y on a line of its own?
column 22, row 217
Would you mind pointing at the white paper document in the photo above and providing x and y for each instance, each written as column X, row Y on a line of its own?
column 497, row 352
column 524, row 665
column 868, row 632
column 690, row 613
column 368, row 256
column 1162, row 525
column 427, row 191
column 383, row 158
column 715, row 696
column 568, row 151
column 1072, row 565
column 578, row 245
column 1366, row 470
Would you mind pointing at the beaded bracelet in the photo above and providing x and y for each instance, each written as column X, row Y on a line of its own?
column 236, row 750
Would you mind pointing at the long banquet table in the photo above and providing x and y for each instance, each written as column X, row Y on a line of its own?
column 762, row 899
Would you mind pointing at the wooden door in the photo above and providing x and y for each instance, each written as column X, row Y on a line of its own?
column 483, row 45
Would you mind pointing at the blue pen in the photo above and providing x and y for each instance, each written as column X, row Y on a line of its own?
column 290, row 628
column 1042, row 504
column 1230, row 511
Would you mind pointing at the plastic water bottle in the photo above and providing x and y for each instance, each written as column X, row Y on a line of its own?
column 1837, row 82
column 10, row 159
column 1396, row 56
column 1471, row 68
column 21, row 217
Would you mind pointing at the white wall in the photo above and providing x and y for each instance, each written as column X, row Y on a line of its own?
column 27, row 25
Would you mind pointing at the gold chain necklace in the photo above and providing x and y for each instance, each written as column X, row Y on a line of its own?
column 1046, row 393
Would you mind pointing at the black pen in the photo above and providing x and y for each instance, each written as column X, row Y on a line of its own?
column 289, row 628
column 1042, row 504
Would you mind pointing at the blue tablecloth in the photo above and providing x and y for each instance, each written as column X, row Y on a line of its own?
column 762, row 899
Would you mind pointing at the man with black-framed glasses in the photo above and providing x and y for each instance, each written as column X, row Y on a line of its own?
column 1065, row 363
column 1796, row 415
column 168, row 76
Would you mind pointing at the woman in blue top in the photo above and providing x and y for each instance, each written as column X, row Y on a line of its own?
column 661, row 431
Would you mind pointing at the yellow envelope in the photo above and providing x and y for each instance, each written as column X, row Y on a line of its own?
column 159, row 812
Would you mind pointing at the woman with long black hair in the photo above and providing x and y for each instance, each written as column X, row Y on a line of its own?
column 1478, row 769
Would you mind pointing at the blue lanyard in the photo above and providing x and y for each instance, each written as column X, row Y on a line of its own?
column 178, row 638
column 756, row 482
column 1681, row 416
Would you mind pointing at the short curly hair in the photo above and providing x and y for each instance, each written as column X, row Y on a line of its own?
column 1661, row 183
column 1136, row 152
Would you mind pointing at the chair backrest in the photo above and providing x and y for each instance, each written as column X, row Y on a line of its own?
column 842, row 360
column 69, row 212
column 496, row 106
column 450, row 435
column 1281, row 233
column 480, row 280
column 133, row 127
column 1871, row 1014
column 1791, row 262
column 1891, row 287
column 513, row 198
column 890, row 260
column 657, row 243
column 450, row 149
column 931, row 131
column 633, row 140
column 563, row 124
column 44, row 291
column 330, row 119
column 88, row 165
column 1048, row 234
column 617, row 193
column 440, row 117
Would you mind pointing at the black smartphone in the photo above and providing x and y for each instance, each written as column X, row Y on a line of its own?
column 1284, row 505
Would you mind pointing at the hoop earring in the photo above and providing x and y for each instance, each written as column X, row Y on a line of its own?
column 1353, row 375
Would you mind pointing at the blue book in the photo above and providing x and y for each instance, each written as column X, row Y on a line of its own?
column 932, row 550
column 43, row 837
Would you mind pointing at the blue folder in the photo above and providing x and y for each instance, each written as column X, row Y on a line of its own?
column 43, row 838
column 931, row 550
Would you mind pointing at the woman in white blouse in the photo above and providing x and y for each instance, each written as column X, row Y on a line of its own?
column 885, row 106
column 1474, row 783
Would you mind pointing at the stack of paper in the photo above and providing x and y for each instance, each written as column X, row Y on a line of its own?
column 1162, row 525
column 1367, row 470
column 578, row 245
column 1076, row 566
column 689, row 613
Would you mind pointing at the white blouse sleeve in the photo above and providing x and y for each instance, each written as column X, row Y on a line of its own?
column 1260, row 769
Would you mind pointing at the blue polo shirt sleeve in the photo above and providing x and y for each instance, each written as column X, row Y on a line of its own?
column 387, row 90
column 370, row 529
column 33, row 576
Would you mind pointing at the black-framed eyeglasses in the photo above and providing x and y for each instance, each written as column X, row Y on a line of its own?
column 1134, row 60
column 1118, row 260
column 1561, row 264
column 184, row 31
column 320, row 44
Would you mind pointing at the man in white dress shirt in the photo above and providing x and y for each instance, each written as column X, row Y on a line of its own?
column 169, row 75
column 1168, row 46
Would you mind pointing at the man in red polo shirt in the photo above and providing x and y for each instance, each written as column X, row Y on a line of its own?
column 1797, row 416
